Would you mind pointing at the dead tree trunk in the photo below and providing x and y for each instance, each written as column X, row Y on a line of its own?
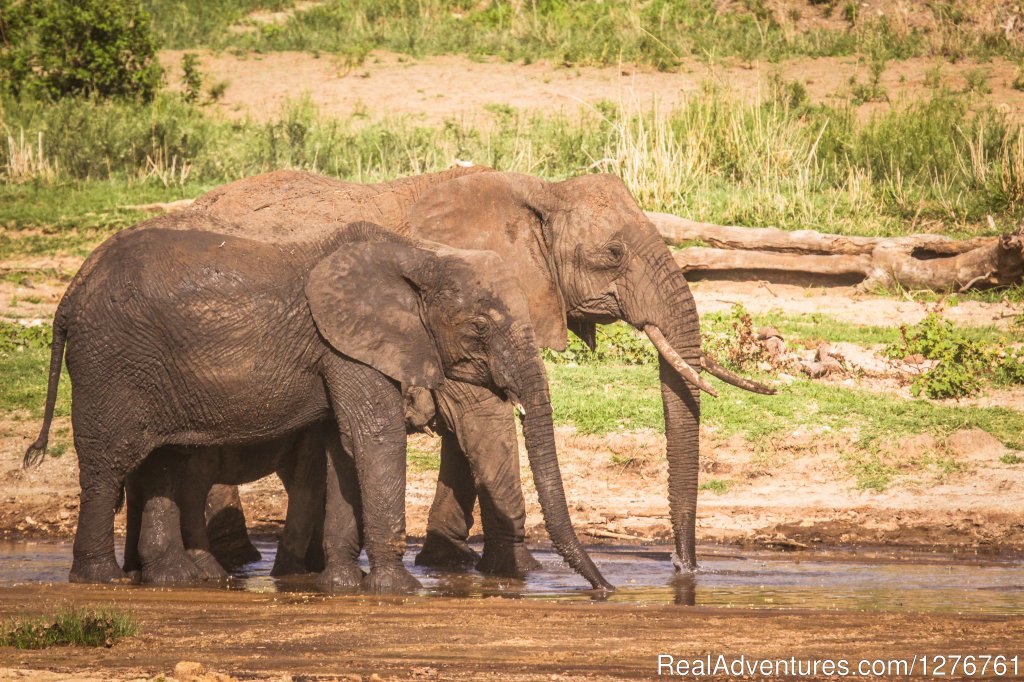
column 916, row 262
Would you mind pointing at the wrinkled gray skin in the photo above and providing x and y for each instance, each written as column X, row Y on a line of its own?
column 299, row 461
column 584, row 253
column 211, row 473
column 180, row 333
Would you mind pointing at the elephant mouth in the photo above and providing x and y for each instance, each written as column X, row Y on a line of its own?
column 603, row 308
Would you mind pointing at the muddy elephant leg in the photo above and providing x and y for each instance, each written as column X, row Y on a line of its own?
column 192, row 497
column 342, row 540
column 160, row 547
column 485, row 428
column 226, row 529
column 304, row 483
column 451, row 514
column 101, row 488
column 370, row 409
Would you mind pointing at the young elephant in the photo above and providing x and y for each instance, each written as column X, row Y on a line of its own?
column 190, row 337
column 190, row 474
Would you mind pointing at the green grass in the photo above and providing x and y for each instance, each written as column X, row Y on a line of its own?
column 811, row 327
column 25, row 366
column 422, row 459
column 706, row 158
column 601, row 399
column 655, row 32
column 1011, row 458
column 94, row 628
column 716, row 485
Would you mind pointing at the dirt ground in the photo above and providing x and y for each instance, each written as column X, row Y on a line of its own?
column 351, row 638
column 433, row 89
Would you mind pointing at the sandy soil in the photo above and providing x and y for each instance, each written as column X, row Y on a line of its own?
column 432, row 89
column 350, row 638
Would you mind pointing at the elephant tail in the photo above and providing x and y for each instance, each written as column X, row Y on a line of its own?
column 37, row 451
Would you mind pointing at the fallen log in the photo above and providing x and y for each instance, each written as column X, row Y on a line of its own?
column 677, row 230
column 914, row 262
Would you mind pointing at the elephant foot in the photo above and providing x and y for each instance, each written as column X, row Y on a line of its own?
column 391, row 579
column 346, row 577
column 442, row 552
column 286, row 563
column 102, row 571
column 172, row 569
column 235, row 551
column 207, row 564
column 513, row 561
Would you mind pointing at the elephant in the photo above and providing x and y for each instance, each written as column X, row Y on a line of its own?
column 300, row 548
column 583, row 252
column 182, row 333
column 187, row 475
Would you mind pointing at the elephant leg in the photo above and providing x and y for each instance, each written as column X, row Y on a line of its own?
column 451, row 514
column 160, row 547
column 342, row 540
column 226, row 529
column 134, row 501
column 101, row 485
column 304, row 483
column 370, row 409
column 192, row 497
column 485, row 428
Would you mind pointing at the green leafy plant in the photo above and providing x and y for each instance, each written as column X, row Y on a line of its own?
column 963, row 364
column 55, row 48
column 872, row 91
column 615, row 344
column 69, row 628
column 730, row 338
column 18, row 337
column 715, row 485
column 191, row 77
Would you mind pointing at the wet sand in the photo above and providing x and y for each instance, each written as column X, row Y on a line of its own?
column 252, row 635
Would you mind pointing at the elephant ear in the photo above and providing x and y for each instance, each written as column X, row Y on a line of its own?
column 503, row 213
column 367, row 309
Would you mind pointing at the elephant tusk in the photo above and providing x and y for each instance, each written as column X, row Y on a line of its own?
column 729, row 377
column 519, row 408
column 678, row 364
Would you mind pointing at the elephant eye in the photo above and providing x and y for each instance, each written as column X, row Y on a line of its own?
column 481, row 326
column 613, row 254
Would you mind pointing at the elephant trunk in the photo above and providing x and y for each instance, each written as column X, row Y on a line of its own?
column 534, row 403
column 664, row 308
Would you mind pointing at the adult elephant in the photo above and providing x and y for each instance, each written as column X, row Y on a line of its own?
column 584, row 253
column 180, row 333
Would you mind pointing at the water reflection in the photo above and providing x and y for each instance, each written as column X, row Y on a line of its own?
column 882, row 580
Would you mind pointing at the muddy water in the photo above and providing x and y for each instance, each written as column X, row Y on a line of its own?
column 861, row 580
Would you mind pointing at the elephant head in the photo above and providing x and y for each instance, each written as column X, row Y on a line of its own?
column 585, row 253
column 425, row 313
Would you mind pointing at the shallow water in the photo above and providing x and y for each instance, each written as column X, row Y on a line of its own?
column 865, row 580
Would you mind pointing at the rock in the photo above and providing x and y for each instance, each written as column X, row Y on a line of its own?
column 915, row 359
column 186, row 671
column 975, row 444
column 768, row 333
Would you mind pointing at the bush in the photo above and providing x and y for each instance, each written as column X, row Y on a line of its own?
column 617, row 344
column 54, row 48
column 963, row 364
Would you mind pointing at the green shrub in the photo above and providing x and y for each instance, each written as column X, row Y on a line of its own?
column 55, row 48
column 963, row 364
column 191, row 77
column 617, row 344
column 17, row 337
column 68, row 628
